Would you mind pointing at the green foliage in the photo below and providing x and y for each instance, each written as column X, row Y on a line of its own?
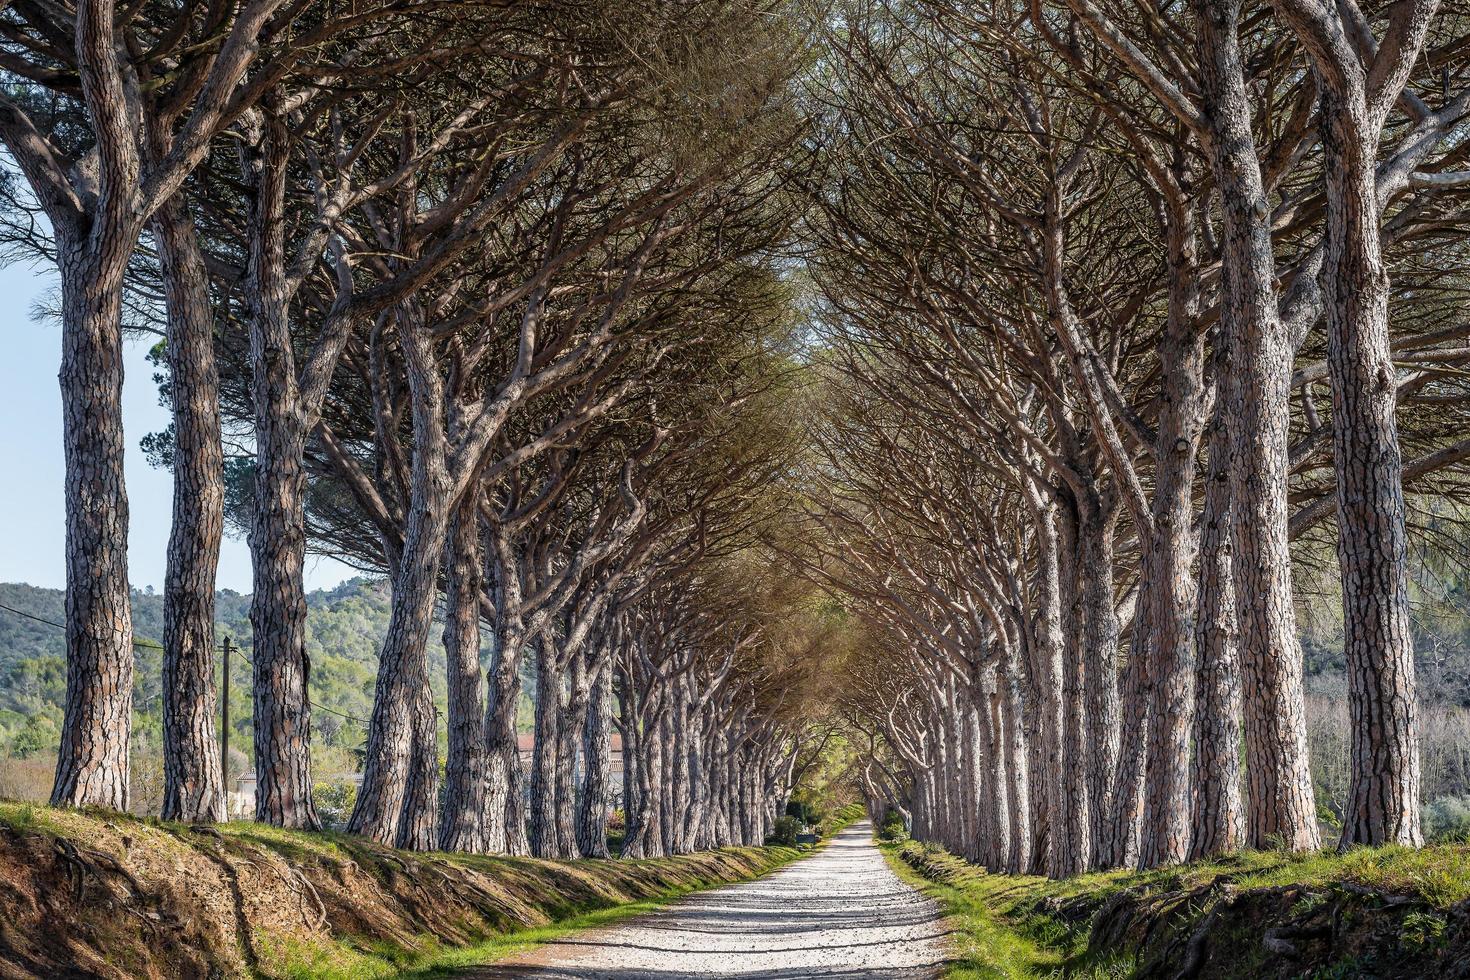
column 334, row 801
column 892, row 827
column 785, row 831
column 345, row 629
column 1423, row 931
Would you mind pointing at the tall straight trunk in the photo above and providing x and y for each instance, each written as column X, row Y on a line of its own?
column 462, row 826
column 503, row 829
column 281, row 679
column 1018, row 781
column 1170, row 565
column 650, row 789
column 1047, row 667
column 596, row 766
column 418, row 822
column 1125, row 818
column 1372, row 543
column 998, row 800
column 572, row 724
column 544, row 754
column 396, row 731
column 1077, row 850
column 92, row 767
column 1257, row 389
column 1100, row 651
column 193, row 772
column 1218, row 816
column 403, row 674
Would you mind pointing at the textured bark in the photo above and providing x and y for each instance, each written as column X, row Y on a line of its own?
column 193, row 770
column 278, row 523
column 1257, row 387
column 1218, row 817
column 1383, row 804
column 1170, row 565
column 592, row 807
column 403, row 662
column 544, row 843
column 92, row 767
column 1047, row 660
column 502, row 821
column 461, row 827
column 1077, row 841
column 418, row 823
column 1018, row 780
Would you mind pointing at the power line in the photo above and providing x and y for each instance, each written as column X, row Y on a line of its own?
column 150, row 645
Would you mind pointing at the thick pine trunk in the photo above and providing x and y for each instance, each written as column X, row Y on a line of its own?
column 92, row 767
column 282, row 715
column 1171, row 584
column 544, row 755
column 1218, row 816
column 462, row 828
column 1257, row 388
column 1383, row 794
column 403, row 673
column 596, row 765
column 1077, row 846
column 1047, row 666
column 193, row 772
column 502, row 821
column 1100, row 650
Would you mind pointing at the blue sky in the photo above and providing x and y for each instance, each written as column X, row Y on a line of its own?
column 32, row 515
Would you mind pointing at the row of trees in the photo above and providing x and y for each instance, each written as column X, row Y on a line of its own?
column 480, row 295
column 1108, row 296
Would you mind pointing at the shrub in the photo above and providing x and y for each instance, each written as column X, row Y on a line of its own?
column 785, row 832
column 892, row 827
column 334, row 802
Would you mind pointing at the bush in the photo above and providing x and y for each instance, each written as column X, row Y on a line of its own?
column 1447, row 820
column 787, row 828
column 892, row 827
column 334, row 802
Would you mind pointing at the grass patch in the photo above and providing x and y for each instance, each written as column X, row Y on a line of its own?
column 1027, row 926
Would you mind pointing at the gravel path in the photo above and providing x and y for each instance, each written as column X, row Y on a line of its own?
column 839, row 913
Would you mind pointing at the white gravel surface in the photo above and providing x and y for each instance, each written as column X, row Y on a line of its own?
column 839, row 913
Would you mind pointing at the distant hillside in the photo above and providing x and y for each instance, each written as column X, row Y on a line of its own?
column 345, row 627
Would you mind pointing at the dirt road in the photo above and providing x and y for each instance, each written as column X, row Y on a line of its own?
column 840, row 913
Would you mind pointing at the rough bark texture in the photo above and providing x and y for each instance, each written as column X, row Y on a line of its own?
column 596, row 764
column 193, row 771
column 461, row 828
column 1383, row 805
column 1257, row 388
column 278, row 522
column 1218, row 816
column 92, row 767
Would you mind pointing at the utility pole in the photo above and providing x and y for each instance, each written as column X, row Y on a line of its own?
column 224, row 725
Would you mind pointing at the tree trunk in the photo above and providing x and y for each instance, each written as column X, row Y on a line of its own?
column 1171, row 585
column 1218, row 818
column 1077, row 849
column 462, row 828
column 92, row 765
column 193, row 772
column 1372, row 544
column 596, row 766
column 282, row 716
column 543, row 758
column 1258, row 385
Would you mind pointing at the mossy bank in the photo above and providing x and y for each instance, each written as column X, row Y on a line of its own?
column 1382, row 912
column 91, row 894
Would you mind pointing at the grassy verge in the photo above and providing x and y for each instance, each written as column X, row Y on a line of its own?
column 1384, row 911
column 113, row 896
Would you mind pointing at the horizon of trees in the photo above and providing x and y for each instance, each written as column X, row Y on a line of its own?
column 972, row 384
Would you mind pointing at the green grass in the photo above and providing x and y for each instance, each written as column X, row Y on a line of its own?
column 1011, row 926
